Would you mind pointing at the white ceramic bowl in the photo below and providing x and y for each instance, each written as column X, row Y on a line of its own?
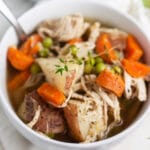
column 54, row 9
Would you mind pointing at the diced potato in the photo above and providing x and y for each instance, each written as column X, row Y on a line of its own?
column 65, row 81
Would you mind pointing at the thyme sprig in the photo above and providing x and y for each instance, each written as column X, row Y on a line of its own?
column 60, row 69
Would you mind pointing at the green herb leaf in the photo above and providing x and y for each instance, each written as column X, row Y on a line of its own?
column 57, row 65
column 61, row 60
column 66, row 68
column 60, row 69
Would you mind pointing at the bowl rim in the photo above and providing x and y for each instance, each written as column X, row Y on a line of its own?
column 11, row 115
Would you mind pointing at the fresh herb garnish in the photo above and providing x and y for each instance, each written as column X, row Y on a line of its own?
column 60, row 69
column 76, row 60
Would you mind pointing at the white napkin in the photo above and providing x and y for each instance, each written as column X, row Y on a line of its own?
column 10, row 139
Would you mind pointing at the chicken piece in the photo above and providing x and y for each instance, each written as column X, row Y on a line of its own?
column 80, row 97
column 128, row 85
column 40, row 116
column 105, row 97
column 85, row 119
column 116, row 109
column 135, row 87
column 141, row 89
column 84, row 48
column 65, row 81
column 118, row 37
column 94, row 32
column 65, row 29
column 112, row 101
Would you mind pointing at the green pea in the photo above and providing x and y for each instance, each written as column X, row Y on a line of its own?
column 112, row 70
column 89, row 54
column 98, row 60
column 47, row 42
column 92, row 61
column 87, row 61
column 73, row 50
column 79, row 61
column 44, row 52
column 35, row 68
column 88, row 68
column 100, row 67
column 117, row 69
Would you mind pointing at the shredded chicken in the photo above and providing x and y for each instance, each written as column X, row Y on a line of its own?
column 105, row 97
column 80, row 97
column 116, row 109
column 128, row 83
column 90, row 78
column 33, row 80
column 69, row 27
column 77, row 87
column 94, row 32
column 84, row 48
column 134, row 87
column 141, row 89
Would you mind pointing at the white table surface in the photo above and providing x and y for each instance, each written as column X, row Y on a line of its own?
column 139, row 139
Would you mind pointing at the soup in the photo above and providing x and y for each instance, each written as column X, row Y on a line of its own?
column 76, row 80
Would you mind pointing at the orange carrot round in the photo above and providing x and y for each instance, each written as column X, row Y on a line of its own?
column 51, row 94
column 111, row 81
column 133, row 50
column 135, row 69
column 18, row 59
column 104, row 47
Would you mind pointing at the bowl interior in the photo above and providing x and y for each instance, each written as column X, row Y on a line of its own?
column 54, row 9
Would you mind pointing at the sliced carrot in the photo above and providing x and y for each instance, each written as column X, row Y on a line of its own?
column 51, row 94
column 35, row 49
column 18, row 59
column 18, row 80
column 74, row 41
column 25, row 48
column 133, row 50
column 104, row 47
column 135, row 68
column 30, row 43
column 111, row 81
